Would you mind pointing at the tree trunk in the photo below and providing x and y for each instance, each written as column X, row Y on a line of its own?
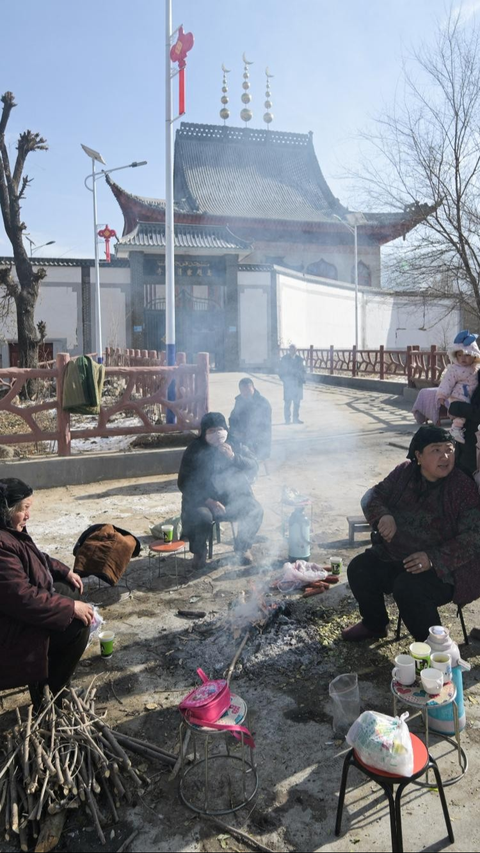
column 27, row 333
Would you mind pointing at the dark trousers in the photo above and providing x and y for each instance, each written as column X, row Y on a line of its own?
column 64, row 650
column 246, row 511
column 417, row 596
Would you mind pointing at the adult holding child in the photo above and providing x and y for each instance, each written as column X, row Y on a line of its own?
column 426, row 551
column 460, row 379
column 44, row 627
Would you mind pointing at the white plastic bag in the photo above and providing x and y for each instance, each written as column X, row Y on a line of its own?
column 383, row 742
column 96, row 624
column 299, row 574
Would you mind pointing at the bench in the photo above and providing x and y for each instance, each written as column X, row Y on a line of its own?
column 355, row 523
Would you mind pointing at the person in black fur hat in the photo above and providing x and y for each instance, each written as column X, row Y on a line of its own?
column 214, row 479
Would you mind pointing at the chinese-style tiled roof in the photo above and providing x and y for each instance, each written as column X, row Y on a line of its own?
column 248, row 173
column 248, row 178
column 68, row 262
column 186, row 237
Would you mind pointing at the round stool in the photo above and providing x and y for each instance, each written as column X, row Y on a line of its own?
column 164, row 549
column 233, row 780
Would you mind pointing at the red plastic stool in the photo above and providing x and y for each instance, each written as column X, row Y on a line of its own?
column 422, row 761
column 164, row 549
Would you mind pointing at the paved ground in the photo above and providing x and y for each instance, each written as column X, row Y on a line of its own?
column 349, row 440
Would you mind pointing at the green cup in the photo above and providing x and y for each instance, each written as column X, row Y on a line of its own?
column 336, row 565
column 421, row 652
column 106, row 643
column 167, row 531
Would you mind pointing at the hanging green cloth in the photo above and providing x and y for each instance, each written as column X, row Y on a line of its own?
column 83, row 386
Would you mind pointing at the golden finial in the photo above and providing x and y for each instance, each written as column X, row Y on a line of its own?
column 246, row 114
column 268, row 116
column 224, row 112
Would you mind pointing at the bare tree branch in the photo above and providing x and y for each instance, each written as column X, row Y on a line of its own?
column 427, row 146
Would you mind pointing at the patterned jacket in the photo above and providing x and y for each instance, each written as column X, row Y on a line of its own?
column 441, row 518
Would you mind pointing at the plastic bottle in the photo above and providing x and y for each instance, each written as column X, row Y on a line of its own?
column 298, row 536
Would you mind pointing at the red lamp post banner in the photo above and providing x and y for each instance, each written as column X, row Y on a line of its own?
column 178, row 53
column 107, row 234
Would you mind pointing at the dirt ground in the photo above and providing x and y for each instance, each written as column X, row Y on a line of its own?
column 349, row 441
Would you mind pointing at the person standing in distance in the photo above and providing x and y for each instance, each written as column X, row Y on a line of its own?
column 293, row 375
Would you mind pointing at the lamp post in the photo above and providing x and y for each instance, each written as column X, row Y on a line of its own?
column 356, row 219
column 34, row 248
column 95, row 157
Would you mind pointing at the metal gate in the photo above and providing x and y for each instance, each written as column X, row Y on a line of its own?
column 199, row 327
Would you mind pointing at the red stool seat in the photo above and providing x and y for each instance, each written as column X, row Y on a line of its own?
column 161, row 547
column 422, row 763
column 420, row 760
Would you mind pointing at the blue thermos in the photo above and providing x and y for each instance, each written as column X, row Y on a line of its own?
column 441, row 719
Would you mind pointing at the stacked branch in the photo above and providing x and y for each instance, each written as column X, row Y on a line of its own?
column 65, row 758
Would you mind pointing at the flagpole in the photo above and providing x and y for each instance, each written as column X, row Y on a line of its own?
column 169, row 213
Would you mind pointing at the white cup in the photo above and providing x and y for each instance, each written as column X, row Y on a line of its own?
column 432, row 680
column 404, row 670
column 443, row 662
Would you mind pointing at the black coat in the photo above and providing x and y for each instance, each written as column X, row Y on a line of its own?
column 205, row 473
column 251, row 424
column 466, row 454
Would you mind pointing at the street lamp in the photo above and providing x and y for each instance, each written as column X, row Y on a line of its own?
column 355, row 219
column 34, row 247
column 95, row 157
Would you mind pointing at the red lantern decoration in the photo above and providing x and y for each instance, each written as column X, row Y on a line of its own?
column 178, row 53
column 107, row 234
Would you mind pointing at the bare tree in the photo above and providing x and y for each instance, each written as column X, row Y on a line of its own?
column 428, row 147
column 23, row 288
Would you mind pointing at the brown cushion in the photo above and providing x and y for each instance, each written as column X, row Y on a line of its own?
column 105, row 554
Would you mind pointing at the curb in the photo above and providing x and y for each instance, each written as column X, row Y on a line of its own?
column 49, row 472
column 360, row 383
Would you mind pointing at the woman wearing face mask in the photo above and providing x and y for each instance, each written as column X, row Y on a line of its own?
column 214, row 479
column 44, row 627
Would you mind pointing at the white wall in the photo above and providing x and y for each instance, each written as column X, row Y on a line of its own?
column 314, row 311
column 114, row 326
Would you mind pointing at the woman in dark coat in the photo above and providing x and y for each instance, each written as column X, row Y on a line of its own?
column 426, row 552
column 214, row 479
column 467, row 453
column 44, row 627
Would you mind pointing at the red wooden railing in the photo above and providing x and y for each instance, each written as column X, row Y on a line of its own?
column 189, row 405
column 411, row 362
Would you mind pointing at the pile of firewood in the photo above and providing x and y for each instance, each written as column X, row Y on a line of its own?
column 63, row 758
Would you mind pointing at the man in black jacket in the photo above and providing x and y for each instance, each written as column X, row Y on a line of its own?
column 251, row 420
column 214, row 479
column 292, row 374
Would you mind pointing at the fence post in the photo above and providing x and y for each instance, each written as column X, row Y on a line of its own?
column 63, row 418
column 409, row 365
column 354, row 360
column 433, row 363
column 382, row 362
column 181, row 358
column 202, row 387
column 331, row 356
column 310, row 358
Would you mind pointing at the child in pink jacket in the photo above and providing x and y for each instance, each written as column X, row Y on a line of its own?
column 459, row 379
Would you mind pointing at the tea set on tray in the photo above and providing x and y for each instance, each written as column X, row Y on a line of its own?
column 432, row 661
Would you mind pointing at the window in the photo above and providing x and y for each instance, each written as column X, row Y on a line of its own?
column 364, row 275
column 323, row 269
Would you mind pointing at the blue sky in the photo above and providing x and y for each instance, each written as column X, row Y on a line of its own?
column 93, row 73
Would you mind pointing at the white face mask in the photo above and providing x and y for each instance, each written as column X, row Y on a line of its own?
column 215, row 439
